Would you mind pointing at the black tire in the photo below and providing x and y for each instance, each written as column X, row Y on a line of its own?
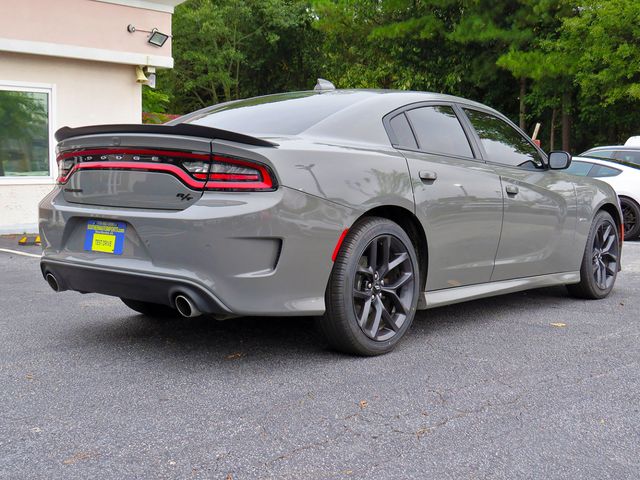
column 150, row 309
column 631, row 218
column 600, row 261
column 372, row 296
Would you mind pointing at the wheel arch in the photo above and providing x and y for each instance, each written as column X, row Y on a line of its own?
column 628, row 197
column 614, row 211
column 412, row 226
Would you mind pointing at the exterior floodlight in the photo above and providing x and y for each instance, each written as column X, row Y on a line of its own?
column 157, row 38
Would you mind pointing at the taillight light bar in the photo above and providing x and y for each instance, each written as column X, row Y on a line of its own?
column 196, row 170
column 232, row 173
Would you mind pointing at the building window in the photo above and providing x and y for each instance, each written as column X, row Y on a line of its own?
column 26, row 153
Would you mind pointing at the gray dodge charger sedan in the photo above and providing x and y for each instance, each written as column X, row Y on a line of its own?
column 356, row 206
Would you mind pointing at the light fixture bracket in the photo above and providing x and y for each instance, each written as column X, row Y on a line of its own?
column 155, row 37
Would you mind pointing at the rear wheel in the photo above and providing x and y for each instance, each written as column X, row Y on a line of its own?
column 600, row 260
column 150, row 309
column 631, row 218
column 373, row 290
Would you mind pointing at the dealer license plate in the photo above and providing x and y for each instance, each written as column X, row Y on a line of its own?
column 106, row 237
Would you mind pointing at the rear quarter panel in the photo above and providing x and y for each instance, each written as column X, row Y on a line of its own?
column 360, row 177
column 592, row 194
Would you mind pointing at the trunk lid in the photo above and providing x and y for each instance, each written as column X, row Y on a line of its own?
column 139, row 166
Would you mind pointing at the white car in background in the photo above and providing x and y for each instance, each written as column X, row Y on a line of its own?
column 625, row 153
column 624, row 177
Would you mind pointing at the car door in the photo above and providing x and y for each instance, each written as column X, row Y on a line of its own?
column 540, row 211
column 458, row 197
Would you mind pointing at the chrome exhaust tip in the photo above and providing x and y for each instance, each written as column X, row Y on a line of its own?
column 186, row 307
column 53, row 282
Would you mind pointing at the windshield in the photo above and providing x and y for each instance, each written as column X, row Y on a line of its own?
column 282, row 114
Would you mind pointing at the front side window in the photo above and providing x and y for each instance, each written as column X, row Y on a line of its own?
column 600, row 153
column 629, row 156
column 579, row 168
column 438, row 130
column 503, row 143
column 24, row 133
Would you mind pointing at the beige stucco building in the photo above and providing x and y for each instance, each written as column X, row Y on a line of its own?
column 67, row 63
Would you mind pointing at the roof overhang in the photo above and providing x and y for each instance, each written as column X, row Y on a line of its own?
column 157, row 5
column 84, row 53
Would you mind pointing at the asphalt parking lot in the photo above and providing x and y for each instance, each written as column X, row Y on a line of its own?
column 529, row 385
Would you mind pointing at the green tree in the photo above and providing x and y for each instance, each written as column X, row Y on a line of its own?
column 228, row 49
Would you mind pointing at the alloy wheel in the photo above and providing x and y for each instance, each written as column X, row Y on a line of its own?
column 605, row 255
column 383, row 288
column 629, row 217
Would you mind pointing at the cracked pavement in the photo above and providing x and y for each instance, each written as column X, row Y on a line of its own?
column 485, row 389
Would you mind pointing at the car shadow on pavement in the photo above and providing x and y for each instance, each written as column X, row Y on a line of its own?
column 264, row 338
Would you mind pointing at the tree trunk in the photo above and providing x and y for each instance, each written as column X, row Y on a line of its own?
column 523, row 108
column 566, row 121
column 552, row 135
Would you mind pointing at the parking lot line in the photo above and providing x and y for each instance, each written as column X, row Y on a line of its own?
column 6, row 250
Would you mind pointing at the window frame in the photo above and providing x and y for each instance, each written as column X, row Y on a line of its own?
column 50, row 90
column 499, row 116
column 386, row 121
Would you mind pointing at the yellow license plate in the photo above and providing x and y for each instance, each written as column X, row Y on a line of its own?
column 103, row 242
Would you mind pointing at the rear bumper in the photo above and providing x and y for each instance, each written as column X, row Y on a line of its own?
column 243, row 253
column 132, row 285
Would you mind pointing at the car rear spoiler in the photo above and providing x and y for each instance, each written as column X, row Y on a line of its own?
column 179, row 129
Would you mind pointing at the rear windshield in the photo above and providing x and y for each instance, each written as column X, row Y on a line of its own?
column 282, row 114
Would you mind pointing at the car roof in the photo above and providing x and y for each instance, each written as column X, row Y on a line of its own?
column 613, row 147
column 356, row 117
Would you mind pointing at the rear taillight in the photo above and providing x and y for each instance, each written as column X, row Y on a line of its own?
column 64, row 168
column 227, row 173
column 198, row 171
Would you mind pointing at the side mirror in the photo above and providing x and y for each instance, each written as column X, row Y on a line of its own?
column 559, row 160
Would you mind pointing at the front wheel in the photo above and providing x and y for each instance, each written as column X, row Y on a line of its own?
column 373, row 290
column 600, row 261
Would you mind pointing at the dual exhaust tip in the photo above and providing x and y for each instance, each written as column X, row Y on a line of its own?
column 184, row 305
column 53, row 282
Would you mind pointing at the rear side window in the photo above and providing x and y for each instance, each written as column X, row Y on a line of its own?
column 602, row 171
column 402, row 131
column 503, row 143
column 628, row 156
column 438, row 130
column 579, row 168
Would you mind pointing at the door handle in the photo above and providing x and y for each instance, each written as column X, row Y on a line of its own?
column 426, row 176
column 512, row 189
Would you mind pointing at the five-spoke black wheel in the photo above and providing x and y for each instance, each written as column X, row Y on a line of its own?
column 383, row 287
column 630, row 217
column 600, row 262
column 373, row 291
